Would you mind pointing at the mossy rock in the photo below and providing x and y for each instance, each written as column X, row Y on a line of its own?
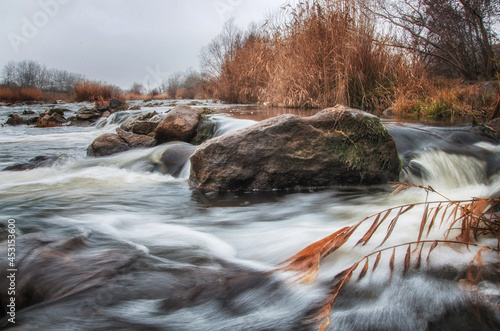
column 337, row 146
column 205, row 130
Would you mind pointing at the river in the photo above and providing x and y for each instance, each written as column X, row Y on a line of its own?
column 106, row 243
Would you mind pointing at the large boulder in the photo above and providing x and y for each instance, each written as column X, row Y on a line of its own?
column 179, row 124
column 337, row 146
column 174, row 157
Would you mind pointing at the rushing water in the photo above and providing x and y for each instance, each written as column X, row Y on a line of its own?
column 108, row 243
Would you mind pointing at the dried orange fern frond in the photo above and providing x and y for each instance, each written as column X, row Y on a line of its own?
column 471, row 218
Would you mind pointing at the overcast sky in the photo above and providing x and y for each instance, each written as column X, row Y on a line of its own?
column 119, row 41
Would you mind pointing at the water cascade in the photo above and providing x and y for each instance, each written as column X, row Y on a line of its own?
column 122, row 242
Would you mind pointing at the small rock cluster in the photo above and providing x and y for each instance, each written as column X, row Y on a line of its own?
column 182, row 124
column 86, row 116
column 56, row 116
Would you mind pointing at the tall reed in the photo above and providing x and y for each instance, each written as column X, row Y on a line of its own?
column 321, row 54
column 86, row 90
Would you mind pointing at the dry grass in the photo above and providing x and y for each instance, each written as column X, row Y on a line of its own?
column 24, row 94
column 182, row 93
column 325, row 53
column 329, row 54
column 472, row 219
column 444, row 98
column 6, row 94
column 322, row 53
column 244, row 78
column 86, row 90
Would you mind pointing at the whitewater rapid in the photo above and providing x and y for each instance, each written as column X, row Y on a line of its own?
column 110, row 243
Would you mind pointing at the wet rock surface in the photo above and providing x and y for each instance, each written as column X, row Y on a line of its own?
column 179, row 124
column 337, row 146
column 112, row 143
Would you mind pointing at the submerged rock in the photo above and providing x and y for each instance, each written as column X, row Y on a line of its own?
column 37, row 162
column 68, row 277
column 175, row 157
column 337, row 146
column 179, row 124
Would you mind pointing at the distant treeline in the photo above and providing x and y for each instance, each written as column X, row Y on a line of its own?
column 179, row 85
column 412, row 55
column 30, row 74
column 28, row 80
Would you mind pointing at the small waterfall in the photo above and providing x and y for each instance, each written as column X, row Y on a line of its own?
column 438, row 168
column 224, row 125
column 446, row 157
column 114, row 119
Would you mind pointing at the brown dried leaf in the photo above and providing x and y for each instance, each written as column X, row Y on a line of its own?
column 423, row 222
column 377, row 260
column 433, row 218
column 370, row 231
column 433, row 246
column 391, row 226
column 341, row 240
column 419, row 258
column 407, row 260
column 391, row 263
column 445, row 213
column 363, row 272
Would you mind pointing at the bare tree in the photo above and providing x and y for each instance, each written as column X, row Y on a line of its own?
column 9, row 74
column 172, row 84
column 137, row 88
column 452, row 36
column 30, row 74
column 221, row 48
